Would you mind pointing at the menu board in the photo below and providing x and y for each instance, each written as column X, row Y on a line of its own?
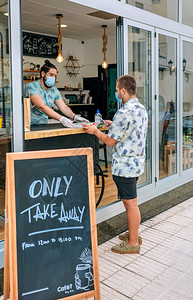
column 55, row 248
column 40, row 45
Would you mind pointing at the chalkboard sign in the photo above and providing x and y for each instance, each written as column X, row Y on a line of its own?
column 51, row 212
column 40, row 45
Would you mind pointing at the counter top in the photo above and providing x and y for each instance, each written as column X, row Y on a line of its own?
column 39, row 134
column 51, row 130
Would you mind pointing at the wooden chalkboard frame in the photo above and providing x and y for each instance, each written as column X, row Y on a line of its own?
column 11, row 270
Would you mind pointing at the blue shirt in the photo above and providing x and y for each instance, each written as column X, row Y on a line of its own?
column 129, row 128
column 49, row 96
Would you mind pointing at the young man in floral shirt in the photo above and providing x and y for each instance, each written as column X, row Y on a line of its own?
column 127, row 136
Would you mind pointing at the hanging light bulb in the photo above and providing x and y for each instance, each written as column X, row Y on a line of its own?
column 105, row 39
column 59, row 57
column 104, row 64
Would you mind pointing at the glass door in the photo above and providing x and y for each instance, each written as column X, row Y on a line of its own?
column 139, row 41
column 5, row 106
column 167, row 104
column 187, row 104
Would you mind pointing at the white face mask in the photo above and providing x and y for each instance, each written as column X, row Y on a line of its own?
column 117, row 97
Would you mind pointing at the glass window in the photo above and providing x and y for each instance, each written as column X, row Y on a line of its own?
column 159, row 7
column 139, row 66
column 187, row 105
column 187, row 13
column 5, row 107
column 167, row 106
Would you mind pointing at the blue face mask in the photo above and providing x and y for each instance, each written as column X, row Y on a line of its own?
column 118, row 100
column 49, row 82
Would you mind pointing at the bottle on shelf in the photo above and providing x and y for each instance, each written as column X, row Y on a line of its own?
column 184, row 138
column 189, row 135
column 98, row 117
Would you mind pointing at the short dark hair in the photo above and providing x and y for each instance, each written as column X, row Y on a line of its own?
column 127, row 82
column 46, row 67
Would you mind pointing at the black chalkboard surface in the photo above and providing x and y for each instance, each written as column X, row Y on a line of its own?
column 54, row 217
column 40, row 45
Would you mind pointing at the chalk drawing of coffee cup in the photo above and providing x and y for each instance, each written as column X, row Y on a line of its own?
column 83, row 276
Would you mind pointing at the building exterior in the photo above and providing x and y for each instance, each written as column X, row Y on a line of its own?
column 154, row 43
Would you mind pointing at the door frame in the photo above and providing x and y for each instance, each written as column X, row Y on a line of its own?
column 188, row 172
column 127, row 23
column 164, row 181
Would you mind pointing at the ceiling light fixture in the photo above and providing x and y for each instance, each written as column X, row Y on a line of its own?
column 105, row 40
column 59, row 57
column 63, row 25
column 6, row 14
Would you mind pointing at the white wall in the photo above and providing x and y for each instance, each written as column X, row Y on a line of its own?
column 89, row 54
column 93, row 56
column 69, row 47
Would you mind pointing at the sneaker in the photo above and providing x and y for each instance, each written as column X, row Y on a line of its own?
column 125, row 235
column 125, row 248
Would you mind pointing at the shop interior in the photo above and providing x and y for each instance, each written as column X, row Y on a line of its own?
column 84, row 84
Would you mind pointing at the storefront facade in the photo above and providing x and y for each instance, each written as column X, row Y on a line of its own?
column 154, row 44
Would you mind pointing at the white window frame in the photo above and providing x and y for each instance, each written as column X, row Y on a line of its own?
column 188, row 172
column 169, row 179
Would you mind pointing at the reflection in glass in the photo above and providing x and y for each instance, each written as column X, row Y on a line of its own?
column 5, row 109
column 167, row 106
column 139, row 66
column 187, row 105
column 159, row 7
column 187, row 12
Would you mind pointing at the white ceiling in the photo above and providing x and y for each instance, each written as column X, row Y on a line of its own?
column 40, row 16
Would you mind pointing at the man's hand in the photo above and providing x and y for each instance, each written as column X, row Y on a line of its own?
column 80, row 119
column 91, row 129
column 66, row 122
column 107, row 123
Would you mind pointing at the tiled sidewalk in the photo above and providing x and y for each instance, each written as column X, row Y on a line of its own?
column 164, row 268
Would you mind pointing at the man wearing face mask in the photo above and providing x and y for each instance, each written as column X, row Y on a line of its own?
column 127, row 136
column 43, row 94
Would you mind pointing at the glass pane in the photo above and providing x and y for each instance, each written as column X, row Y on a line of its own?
column 5, row 107
column 187, row 12
column 158, row 7
column 167, row 106
column 187, row 105
column 139, row 66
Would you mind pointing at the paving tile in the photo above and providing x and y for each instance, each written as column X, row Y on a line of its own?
column 180, row 220
column 146, row 267
column 146, row 246
column 186, row 234
column 187, row 212
column 155, row 236
column 168, row 227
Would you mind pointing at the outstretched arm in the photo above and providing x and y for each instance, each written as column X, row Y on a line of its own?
column 91, row 129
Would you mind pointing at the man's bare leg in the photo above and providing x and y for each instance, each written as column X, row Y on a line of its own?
column 133, row 219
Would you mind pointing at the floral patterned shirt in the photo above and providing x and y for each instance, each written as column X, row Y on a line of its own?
column 49, row 96
column 129, row 128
